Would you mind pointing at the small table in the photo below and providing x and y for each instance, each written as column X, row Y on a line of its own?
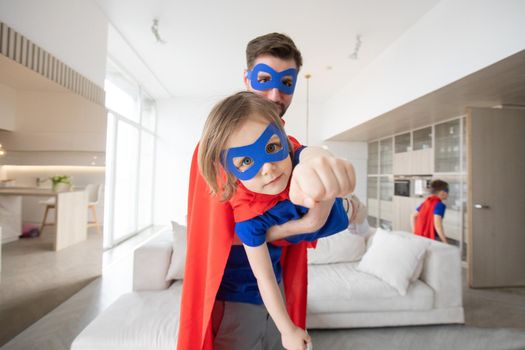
column 71, row 213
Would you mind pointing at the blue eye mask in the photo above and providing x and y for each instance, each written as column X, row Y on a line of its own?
column 276, row 78
column 255, row 154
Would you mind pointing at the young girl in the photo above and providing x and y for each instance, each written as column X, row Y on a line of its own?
column 246, row 158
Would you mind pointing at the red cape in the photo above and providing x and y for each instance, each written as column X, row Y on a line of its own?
column 210, row 237
column 425, row 218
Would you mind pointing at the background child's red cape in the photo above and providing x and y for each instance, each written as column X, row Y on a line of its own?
column 210, row 236
column 425, row 218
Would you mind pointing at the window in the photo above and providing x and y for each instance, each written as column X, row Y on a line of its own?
column 130, row 152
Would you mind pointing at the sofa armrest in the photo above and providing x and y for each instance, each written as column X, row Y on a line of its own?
column 151, row 263
column 442, row 272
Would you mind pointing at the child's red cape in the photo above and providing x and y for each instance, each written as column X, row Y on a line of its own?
column 210, row 237
column 425, row 218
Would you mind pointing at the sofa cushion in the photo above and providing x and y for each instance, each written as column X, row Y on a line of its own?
column 341, row 247
column 342, row 288
column 144, row 320
column 178, row 257
column 394, row 258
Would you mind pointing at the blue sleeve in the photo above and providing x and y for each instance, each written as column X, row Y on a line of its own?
column 337, row 221
column 252, row 232
column 296, row 155
column 439, row 209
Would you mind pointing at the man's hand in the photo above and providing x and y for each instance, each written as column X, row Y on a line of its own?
column 320, row 176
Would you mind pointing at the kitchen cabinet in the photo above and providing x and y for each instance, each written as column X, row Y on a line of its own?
column 413, row 162
column 71, row 214
column 413, row 153
column 402, row 143
column 447, row 147
column 404, row 207
column 373, row 200
column 422, row 138
column 386, row 194
column 386, row 155
column 373, row 158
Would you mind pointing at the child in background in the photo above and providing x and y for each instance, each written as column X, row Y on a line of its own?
column 427, row 220
column 246, row 158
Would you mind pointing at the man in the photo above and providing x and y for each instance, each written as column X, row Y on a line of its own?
column 273, row 63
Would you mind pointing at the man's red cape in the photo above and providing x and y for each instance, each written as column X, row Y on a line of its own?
column 210, row 236
column 425, row 218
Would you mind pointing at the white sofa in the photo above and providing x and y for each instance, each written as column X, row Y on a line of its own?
column 339, row 296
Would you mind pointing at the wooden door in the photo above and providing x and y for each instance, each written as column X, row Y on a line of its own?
column 496, row 197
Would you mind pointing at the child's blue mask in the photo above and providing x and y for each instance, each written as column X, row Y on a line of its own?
column 255, row 154
column 277, row 79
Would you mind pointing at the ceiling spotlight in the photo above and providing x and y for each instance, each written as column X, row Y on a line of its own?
column 155, row 30
column 354, row 55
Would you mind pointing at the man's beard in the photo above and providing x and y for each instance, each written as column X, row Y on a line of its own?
column 282, row 108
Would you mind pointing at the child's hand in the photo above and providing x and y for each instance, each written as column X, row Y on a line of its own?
column 296, row 339
column 320, row 177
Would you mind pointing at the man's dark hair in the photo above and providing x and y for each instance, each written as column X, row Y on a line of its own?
column 275, row 44
column 438, row 185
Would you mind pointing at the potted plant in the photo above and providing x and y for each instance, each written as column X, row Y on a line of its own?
column 61, row 183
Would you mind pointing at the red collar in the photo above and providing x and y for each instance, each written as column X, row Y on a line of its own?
column 247, row 204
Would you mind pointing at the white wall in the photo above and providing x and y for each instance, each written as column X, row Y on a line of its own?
column 7, row 107
column 180, row 122
column 73, row 31
column 454, row 39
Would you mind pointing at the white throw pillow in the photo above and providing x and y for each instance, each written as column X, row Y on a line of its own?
column 340, row 247
column 178, row 257
column 393, row 259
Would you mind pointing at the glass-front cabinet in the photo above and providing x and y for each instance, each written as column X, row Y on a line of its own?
column 386, row 196
column 447, row 148
column 422, row 138
column 436, row 151
column 373, row 200
column 373, row 158
column 386, row 156
column 402, row 143
column 380, row 184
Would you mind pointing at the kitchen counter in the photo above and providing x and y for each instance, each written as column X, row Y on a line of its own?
column 71, row 214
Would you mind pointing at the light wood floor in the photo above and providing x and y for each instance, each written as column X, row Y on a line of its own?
column 495, row 319
column 36, row 279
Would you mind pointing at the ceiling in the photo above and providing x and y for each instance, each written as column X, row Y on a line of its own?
column 500, row 84
column 205, row 40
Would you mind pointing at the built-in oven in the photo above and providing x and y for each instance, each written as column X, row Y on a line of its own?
column 402, row 187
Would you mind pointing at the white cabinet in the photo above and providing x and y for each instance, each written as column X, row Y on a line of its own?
column 403, row 209
column 402, row 163
column 420, row 162
column 10, row 217
column 413, row 153
column 413, row 162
